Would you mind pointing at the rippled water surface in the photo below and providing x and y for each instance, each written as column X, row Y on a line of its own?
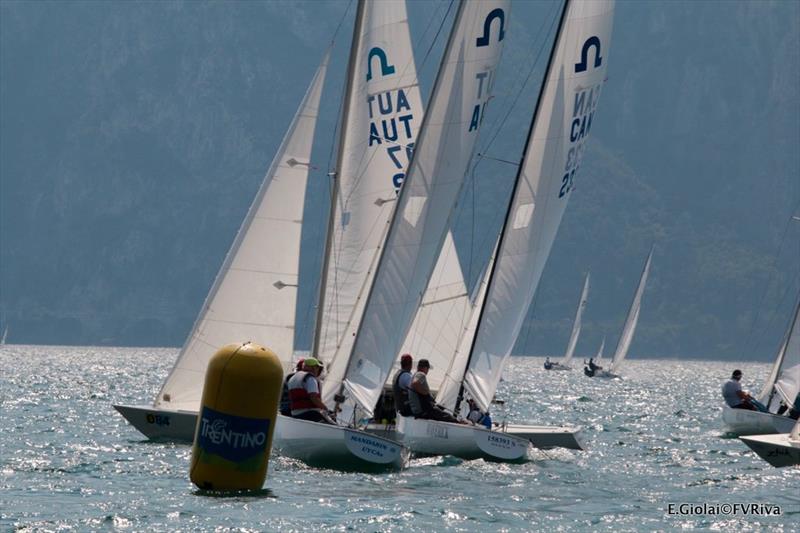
column 69, row 461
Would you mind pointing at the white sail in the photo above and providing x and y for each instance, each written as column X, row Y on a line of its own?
column 383, row 113
column 783, row 384
column 454, row 376
column 576, row 326
column 436, row 173
column 255, row 293
column 629, row 328
column 441, row 317
column 600, row 351
column 555, row 146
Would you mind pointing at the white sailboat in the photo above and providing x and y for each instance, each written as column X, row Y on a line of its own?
column 380, row 104
column 781, row 391
column 576, row 331
column 5, row 335
column 628, row 329
column 234, row 308
column 782, row 449
column 559, row 129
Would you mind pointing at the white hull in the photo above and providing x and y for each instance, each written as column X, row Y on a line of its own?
column 547, row 437
column 311, row 442
column 746, row 422
column 778, row 450
column 557, row 366
column 160, row 424
column 329, row 445
column 432, row 437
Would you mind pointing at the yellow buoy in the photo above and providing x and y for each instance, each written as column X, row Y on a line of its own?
column 233, row 438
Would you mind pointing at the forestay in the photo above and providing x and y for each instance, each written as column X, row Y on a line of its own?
column 255, row 293
column 628, row 330
column 554, row 150
column 444, row 149
column 382, row 114
column 576, row 326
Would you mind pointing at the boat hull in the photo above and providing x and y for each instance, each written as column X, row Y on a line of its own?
column 557, row 366
column 433, row 437
column 747, row 422
column 160, row 424
column 317, row 444
column 328, row 445
column 778, row 450
column 547, row 437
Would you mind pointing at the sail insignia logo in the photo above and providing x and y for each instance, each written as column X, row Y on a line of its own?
column 231, row 437
column 593, row 41
column 386, row 68
column 483, row 40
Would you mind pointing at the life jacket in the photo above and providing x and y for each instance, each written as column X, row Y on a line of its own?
column 299, row 399
column 285, row 407
column 400, row 393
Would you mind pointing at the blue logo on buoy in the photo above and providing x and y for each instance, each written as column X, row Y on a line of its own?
column 234, row 438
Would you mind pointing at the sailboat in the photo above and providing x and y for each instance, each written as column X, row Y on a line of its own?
column 628, row 329
column 5, row 336
column 381, row 99
column 782, row 449
column 559, row 129
column 576, row 331
column 781, row 391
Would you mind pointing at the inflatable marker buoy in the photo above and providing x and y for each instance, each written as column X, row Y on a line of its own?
column 233, row 437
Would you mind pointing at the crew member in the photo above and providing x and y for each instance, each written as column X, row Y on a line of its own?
column 285, row 408
column 734, row 395
column 401, row 385
column 304, row 398
column 419, row 395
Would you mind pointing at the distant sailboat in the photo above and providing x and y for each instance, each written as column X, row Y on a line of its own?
column 628, row 329
column 576, row 331
column 5, row 335
column 781, row 391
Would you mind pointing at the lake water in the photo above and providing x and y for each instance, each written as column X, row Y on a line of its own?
column 69, row 461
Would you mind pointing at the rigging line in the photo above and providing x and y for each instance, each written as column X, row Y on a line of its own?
column 527, row 79
column 435, row 37
column 314, row 299
column 750, row 343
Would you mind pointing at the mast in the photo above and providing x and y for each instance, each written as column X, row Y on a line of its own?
column 517, row 180
column 356, row 43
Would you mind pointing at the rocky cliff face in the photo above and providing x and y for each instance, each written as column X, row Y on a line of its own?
column 133, row 136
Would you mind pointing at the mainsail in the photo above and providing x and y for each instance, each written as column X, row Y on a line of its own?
column 255, row 293
column 576, row 326
column 783, row 383
column 554, row 150
column 380, row 120
column 436, row 173
column 629, row 328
